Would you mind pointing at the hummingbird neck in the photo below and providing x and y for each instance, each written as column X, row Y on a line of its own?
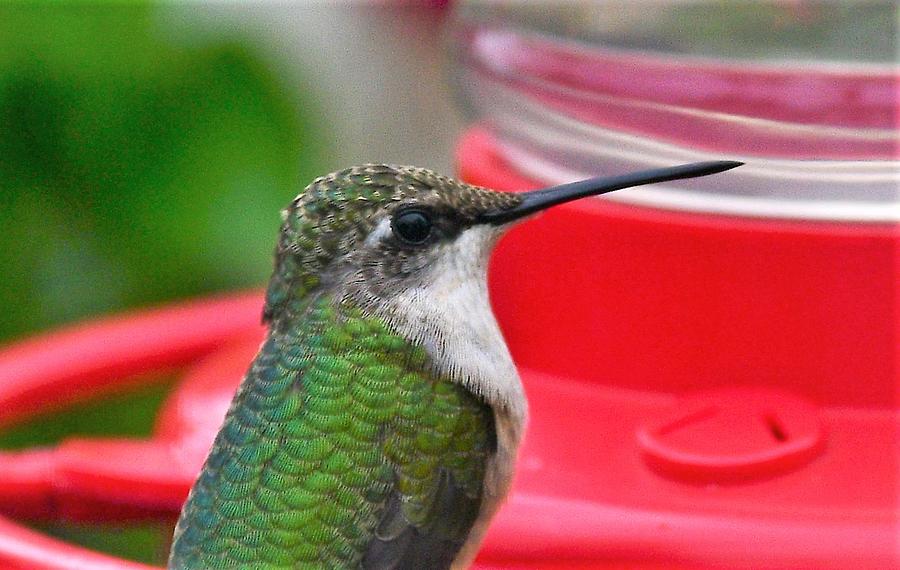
column 442, row 308
column 448, row 313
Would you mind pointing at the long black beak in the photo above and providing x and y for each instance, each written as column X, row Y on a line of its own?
column 538, row 200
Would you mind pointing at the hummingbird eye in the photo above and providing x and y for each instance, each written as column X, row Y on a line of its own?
column 412, row 226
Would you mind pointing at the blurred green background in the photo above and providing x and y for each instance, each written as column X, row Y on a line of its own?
column 146, row 150
column 135, row 169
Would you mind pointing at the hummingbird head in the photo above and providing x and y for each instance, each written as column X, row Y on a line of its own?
column 411, row 247
column 408, row 246
column 371, row 231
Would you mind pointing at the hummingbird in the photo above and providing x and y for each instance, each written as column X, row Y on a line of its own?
column 379, row 423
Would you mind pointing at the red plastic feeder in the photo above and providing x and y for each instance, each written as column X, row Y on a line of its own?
column 707, row 388
column 626, row 461
column 738, row 405
column 712, row 364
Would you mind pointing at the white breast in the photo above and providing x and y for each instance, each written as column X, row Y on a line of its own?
column 449, row 314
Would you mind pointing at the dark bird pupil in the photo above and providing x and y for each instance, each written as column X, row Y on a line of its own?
column 412, row 226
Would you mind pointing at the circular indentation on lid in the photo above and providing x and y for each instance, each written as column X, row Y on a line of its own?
column 732, row 434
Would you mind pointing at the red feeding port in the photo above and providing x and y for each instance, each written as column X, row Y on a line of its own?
column 733, row 434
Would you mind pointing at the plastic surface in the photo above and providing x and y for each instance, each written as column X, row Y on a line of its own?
column 682, row 306
column 560, row 77
column 575, row 90
column 634, row 317
column 735, row 336
column 583, row 498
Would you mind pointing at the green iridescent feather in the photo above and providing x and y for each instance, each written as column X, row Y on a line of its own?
column 341, row 450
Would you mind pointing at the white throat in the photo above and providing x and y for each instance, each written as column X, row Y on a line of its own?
column 449, row 314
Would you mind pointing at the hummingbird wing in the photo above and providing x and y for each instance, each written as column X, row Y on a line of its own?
column 432, row 539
